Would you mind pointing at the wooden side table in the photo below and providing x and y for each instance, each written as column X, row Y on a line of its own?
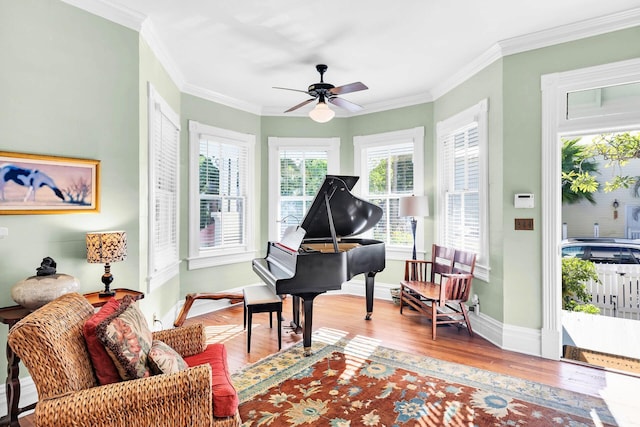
column 10, row 316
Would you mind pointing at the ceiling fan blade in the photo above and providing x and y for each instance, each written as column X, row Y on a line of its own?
column 351, row 87
column 347, row 105
column 295, row 90
column 302, row 104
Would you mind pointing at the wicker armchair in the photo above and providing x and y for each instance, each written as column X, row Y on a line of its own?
column 51, row 344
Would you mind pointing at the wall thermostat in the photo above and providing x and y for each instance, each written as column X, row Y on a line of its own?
column 523, row 201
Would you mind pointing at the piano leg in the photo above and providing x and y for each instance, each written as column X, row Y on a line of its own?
column 369, row 282
column 308, row 319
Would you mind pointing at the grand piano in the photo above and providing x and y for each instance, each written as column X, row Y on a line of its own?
column 318, row 256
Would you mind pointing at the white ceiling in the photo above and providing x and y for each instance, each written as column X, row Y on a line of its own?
column 235, row 51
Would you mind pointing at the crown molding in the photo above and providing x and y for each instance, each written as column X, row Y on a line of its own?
column 113, row 12
column 394, row 103
column 220, row 98
column 566, row 33
column 571, row 32
column 471, row 69
column 150, row 36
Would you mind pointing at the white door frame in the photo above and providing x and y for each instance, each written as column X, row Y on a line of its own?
column 555, row 88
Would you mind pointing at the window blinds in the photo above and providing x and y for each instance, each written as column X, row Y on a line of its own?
column 164, row 142
column 223, row 192
column 390, row 176
column 462, row 179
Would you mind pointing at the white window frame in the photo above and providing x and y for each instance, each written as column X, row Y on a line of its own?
column 276, row 145
column 556, row 123
column 159, row 109
column 199, row 258
column 477, row 113
column 416, row 137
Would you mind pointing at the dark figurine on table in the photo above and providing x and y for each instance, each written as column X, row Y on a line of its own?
column 47, row 267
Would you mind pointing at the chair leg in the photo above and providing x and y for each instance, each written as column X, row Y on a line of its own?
column 244, row 316
column 465, row 314
column 434, row 320
column 271, row 320
column 401, row 300
column 250, row 318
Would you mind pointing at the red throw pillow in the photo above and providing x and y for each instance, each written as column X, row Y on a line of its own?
column 103, row 365
column 225, row 398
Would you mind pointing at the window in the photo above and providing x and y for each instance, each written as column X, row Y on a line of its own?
column 164, row 141
column 219, row 198
column 462, row 184
column 297, row 168
column 390, row 166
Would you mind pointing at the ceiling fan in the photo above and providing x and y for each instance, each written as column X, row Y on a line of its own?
column 324, row 92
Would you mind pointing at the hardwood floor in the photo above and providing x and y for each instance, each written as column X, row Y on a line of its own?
column 408, row 332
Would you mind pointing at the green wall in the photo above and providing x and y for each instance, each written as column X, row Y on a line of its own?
column 69, row 85
column 486, row 84
column 522, row 163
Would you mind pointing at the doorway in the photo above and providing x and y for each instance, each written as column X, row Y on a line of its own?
column 558, row 119
column 603, row 327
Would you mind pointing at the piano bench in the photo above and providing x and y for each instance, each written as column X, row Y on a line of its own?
column 262, row 299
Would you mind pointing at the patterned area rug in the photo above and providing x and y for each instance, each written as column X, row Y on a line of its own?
column 360, row 383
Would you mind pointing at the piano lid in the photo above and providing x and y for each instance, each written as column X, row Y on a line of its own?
column 351, row 215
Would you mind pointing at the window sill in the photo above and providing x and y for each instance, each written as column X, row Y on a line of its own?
column 206, row 261
column 402, row 254
column 159, row 278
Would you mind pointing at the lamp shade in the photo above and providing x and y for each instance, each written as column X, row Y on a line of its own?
column 106, row 246
column 322, row 113
column 414, row 206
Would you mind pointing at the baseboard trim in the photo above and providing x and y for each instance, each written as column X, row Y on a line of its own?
column 28, row 395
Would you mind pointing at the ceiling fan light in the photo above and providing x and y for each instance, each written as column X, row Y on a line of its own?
column 321, row 113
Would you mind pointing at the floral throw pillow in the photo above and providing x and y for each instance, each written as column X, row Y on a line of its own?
column 164, row 359
column 127, row 339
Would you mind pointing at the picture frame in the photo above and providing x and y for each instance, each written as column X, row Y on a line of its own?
column 40, row 184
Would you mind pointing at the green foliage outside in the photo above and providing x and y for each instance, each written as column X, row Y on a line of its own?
column 617, row 150
column 576, row 273
column 209, row 183
column 315, row 171
column 378, row 178
column 574, row 162
column 399, row 175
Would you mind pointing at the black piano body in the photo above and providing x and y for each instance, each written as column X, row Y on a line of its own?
column 326, row 258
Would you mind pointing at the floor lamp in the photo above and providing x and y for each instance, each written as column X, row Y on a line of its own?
column 414, row 206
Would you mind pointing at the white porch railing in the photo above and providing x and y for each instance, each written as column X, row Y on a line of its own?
column 619, row 293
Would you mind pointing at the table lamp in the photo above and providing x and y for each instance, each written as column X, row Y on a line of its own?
column 106, row 247
column 414, row 206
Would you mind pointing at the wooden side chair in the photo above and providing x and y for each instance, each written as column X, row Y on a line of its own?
column 442, row 259
column 464, row 262
column 441, row 297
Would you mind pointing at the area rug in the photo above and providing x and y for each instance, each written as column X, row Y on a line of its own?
column 358, row 382
column 606, row 360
